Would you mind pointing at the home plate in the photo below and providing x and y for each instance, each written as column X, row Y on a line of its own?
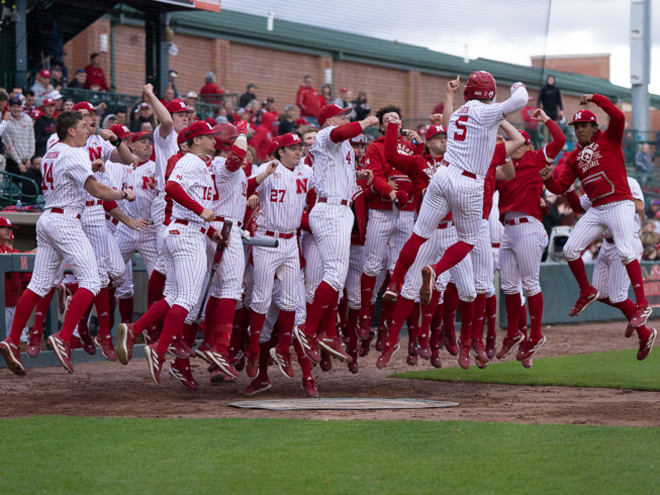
column 356, row 404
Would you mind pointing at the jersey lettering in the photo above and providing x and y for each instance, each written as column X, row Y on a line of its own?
column 47, row 180
column 460, row 125
column 216, row 196
column 348, row 157
column 277, row 195
column 301, row 186
column 95, row 153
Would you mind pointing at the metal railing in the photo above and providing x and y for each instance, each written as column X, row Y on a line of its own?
column 13, row 188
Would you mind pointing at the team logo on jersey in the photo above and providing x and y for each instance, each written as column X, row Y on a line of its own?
column 301, row 186
column 95, row 153
column 589, row 157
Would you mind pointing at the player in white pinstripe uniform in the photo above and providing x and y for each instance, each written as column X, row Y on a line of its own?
column 331, row 221
column 282, row 196
column 192, row 188
column 610, row 277
column 66, row 172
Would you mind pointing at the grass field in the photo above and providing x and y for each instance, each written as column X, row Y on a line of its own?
column 613, row 369
column 77, row 455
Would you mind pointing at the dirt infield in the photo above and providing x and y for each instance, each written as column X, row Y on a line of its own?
column 110, row 389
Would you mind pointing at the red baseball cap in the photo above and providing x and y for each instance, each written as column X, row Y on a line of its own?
column 48, row 101
column 121, row 131
column 274, row 144
column 333, row 110
column 300, row 122
column 525, row 134
column 434, row 130
column 227, row 133
column 584, row 116
column 45, row 74
column 84, row 105
column 177, row 105
column 5, row 222
column 197, row 128
column 288, row 139
column 136, row 136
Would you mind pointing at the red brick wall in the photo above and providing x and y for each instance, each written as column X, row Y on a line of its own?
column 596, row 66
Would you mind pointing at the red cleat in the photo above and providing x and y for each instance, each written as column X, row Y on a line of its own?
column 464, row 355
column 180, row 349
column 184, row 376
column 527, row 363
column 528, row 348
column 479, row 351
column 252, row 367
column 640, row 316
column 326, row 361
column 283, row 361
column 308, row 343
column 154, row 362
column 435, row 357
column 428, row 281
column 256, row 387
column 509, row 344
column 424, row 347
column 309, row 386
column 383, row 333
column 450, row 343
column 334, row 348
column 364, row 328
column 107, row 347
column 62, row 350
column 202, row 351
column 646, row 345
column 34, row 343
column 86, row 342
column 392, row 292
column 125, row 342
column 491, row 346
column 583, row 301
column 12, row 357
column 222, row 362
column 365, row 345
column 386, row 354
column 151, row 334
column 353, row 365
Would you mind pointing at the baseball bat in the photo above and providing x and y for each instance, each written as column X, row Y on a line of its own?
column 261, row 242
column 217, row 257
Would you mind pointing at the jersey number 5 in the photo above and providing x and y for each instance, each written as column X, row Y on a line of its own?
column 47, row 180
column 459, row 135
column 277, row 195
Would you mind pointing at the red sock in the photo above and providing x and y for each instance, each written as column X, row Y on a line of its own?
column 580, row 274
column 466, row 310
column 627, row 307
column 436, row 326
column 522, row 321
column 353, row 315
column 324, row 297
column 329, row 320
column 239, row 329
column 172, row 327
column 26, row 303
column 634, row 270
column 477, row 331
column 210, row 321
column 79, row 304
column 155, row 315
column 126, row 306
column 342, row 310
column 256, row 325
column 387, row 309
column 491, row 314
column 427, row 313
column 42, row 310
column 264, row 360
column 222, row 324
column 113, row 305
column 406, row 258
column 413, row 326
column 452, row 256
column 450, row 305
column 402, row 309
column 367, row 285
column 84, row 321
column 190, row 331
column 512, row 303
column 536, row 315
column 286, row 320
column 155, row 287
column 303, row 360
column 102, row 304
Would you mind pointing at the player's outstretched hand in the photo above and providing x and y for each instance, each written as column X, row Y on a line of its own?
column 137, row 224
column 253, row 201
column 108, row 135
column 540, row 116
column 207, row 215
column 98, row 166
column 242, row 127
column 369, row 121
column 516, row 85
column 271, row 166
column 584, row 99
column 435, row 119
column 365, row 173
column 546, row 172
column 454, row 84
column 147, row 89
column 130, row 195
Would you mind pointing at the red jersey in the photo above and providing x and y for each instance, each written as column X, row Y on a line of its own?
column 309, row 101
column 522, row 193
column 600, row 166
column 95, row 77
column 211, row 93
column 360, row 211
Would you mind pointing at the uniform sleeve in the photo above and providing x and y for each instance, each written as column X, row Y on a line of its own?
column 614, row 131
column 562, row 178
column 373, row 162
column 554, row 147
column 346, row 131
column 499, row 155
column 585, row 202
column 406, row 164
column 78, row 167
column 106, row 150
column 574, row 202
column 635, row 189
column 494, row 113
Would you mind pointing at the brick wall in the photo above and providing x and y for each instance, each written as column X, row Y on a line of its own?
column 595, row 65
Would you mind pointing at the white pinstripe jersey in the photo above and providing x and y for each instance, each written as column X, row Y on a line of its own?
column 282, row 198
column 99, row 148
column 53, row 139
column 141, row 180
column 230, row 198
column 164, row 149
column 115, row 173
column 334, row 166
column 637, row 193
column 195, row 177
column 471, row 136
column 494, row 224
column 65, row 170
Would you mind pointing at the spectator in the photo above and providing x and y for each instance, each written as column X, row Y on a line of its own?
column 439, row 108
column 301, row 125
column 95, row 74
column 308, row 137
column 308, row 100
column 120, row 112
column 147, row 126
column 30, row 191
column 18, row 139
column 326, row 94
column 361, row 107
column 287, row 120
column 531, row 126
column 269, row 106
column 550, row 99
column 263, row 136
column 211, row 92
column 57, row 78
column 250, row 155
column 109, row 121
column 4, row 103
column 67, row 106
column 248, row 96
column 168, row 95
column 79, row 79
column 191, row 98
column 44, row 127
column 29, row 108
column 344, row 98
column 41, row 86
column 644, row 160
column 144, row 114
column 229, row 111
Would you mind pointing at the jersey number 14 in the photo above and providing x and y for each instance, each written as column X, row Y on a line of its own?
column 47, row 180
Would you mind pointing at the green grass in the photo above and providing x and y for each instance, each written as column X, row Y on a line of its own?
column 612, row 369
column 79, row 455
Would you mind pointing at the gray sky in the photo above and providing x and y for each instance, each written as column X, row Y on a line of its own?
column 506, row 30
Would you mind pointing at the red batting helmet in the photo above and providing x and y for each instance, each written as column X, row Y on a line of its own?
column 584, row 116
column 480, row 85
column 226, row 136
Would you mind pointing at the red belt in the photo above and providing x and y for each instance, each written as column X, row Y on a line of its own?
column 93, row 202
column 495, row 244
column 445, row 225
column 343, row 202
column 222, row 219
column 281, row 235
column 610, row 240
column 463, row 172
column 516, row 221
column 61, row 212
column 186, row 222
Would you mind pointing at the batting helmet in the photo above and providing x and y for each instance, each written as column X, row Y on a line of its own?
column 480, row 85
column 227, row 133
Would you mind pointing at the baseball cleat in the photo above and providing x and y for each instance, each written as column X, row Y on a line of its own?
column 364, row 328
column 180, row 349
column 491, row 346
column 125, row 342
column 353, row 365
column 283, row 361
column 326, row 361
column 435, row 357
column 464, row 355
column 256, row 387
column 252, row 367
column 386, row 355
column 392, row 292
column 222, row 362
column 34, row 343
column 411, row 360
column 365, row 345
column 479, row 351
column 509, row 344
column 154, row 362
column 583, row 301
column 383, row 333
column 106, row 346
column 12, row 357
column 641, row 315
column 528, row 348
column 184, row 376
column 202, row 352
column 86, row 342
column 219, row 376
column 424, row 347
column 428, row 281
column 646, row 345
column 308, row 343
column 334, row 348
column 449, row 339
column 527, row 363
column 309, row 386
column 62, row 350
column 151, row 334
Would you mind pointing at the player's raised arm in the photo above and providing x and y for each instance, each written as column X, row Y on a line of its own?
column 515, row 139
column 554, row 147
column 164, row 117
column 105, row 193
column 519, row 97
column 452, row 87
column 615, row 128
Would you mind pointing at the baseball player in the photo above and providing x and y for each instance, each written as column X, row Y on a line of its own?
column 331, row 220
column 66, row 172
column 192, row 189
column 598, row 162
column 609, row 276
column 524, row 238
